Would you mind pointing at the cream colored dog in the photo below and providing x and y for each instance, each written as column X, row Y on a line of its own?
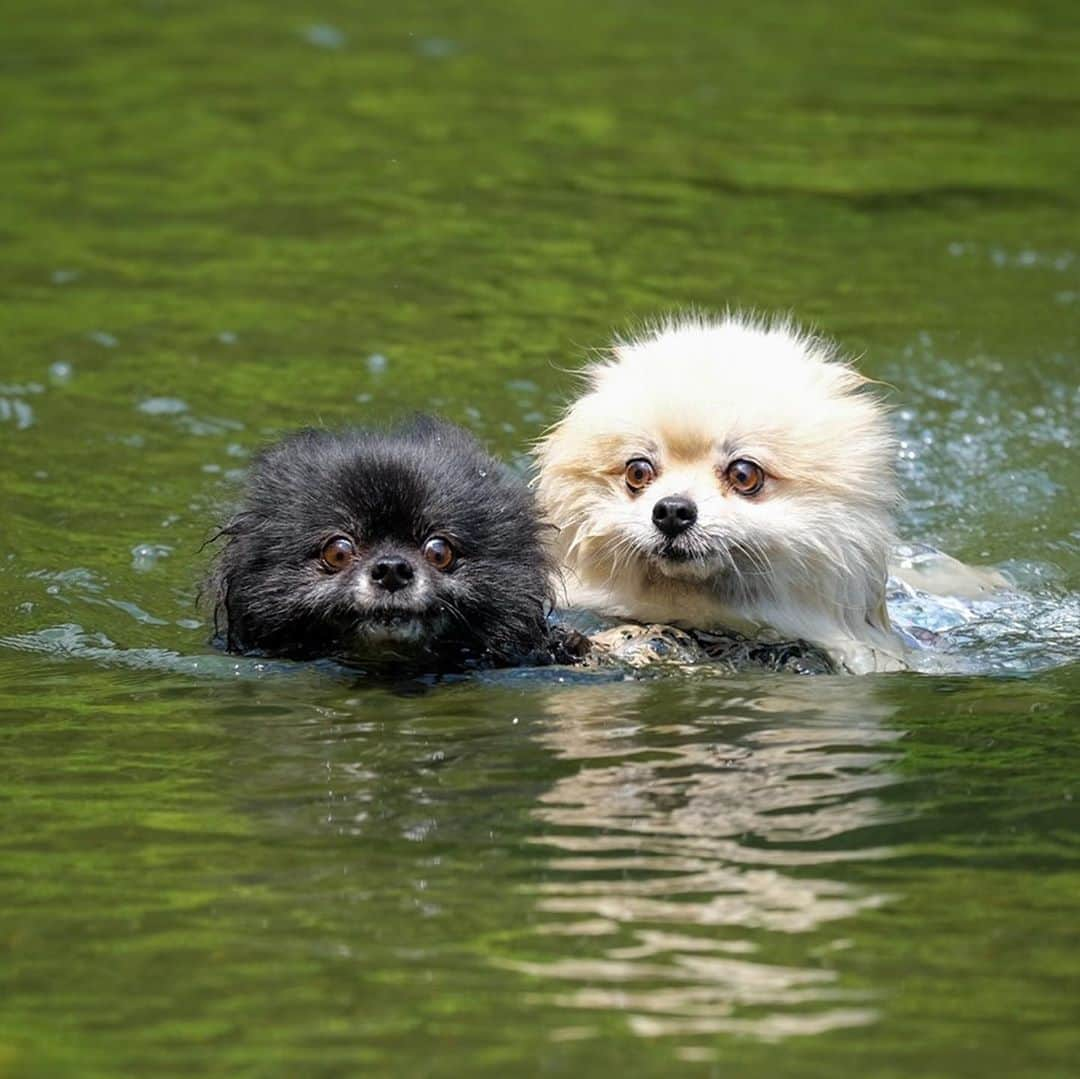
column 728, row 473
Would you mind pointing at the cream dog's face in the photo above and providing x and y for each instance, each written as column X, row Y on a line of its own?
column 726, row 462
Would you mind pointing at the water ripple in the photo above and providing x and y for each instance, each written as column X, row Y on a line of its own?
column 679, row 852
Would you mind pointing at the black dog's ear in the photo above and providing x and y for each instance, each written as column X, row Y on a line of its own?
column 214, row 593
column 222, row 622
column 213, row 597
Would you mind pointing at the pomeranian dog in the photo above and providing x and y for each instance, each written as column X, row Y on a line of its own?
column 409, row 548
column 728, row 473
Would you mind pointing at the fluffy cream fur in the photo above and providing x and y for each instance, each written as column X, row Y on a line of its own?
column 804, row 558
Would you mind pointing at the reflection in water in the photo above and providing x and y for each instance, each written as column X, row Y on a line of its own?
column 681, row 850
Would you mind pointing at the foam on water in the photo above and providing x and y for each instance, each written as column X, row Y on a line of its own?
column 1007, row 632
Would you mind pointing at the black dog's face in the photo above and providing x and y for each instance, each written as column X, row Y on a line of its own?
column 402, row 547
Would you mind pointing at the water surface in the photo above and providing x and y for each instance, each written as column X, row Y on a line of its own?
column 221, row 222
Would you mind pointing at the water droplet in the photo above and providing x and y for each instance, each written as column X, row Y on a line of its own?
column 61, row 371
column 522, row 385
column 437, row 48
column 163, row 406
column 145, row 556
column 324, row 36
column 20, row 411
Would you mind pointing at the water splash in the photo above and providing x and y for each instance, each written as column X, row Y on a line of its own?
column 70, row 641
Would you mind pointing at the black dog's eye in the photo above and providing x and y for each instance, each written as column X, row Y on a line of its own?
column 439, row 552
column 339, row 553
column 639, row 473
column 746, row 477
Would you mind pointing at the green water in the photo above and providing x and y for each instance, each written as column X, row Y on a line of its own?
column 219, row 222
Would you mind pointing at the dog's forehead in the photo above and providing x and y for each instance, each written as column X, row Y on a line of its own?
column 686, row 442
column 675, row 429
column 691, row 411
column 400, row 491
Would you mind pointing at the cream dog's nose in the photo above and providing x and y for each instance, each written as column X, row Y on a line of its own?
column 674, row 514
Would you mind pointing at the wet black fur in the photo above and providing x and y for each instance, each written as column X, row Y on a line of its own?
column 389, row 491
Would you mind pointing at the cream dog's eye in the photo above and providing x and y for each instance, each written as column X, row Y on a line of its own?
column 639, row 474
column 746, row 477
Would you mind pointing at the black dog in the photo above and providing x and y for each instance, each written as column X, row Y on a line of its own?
column 409, row 548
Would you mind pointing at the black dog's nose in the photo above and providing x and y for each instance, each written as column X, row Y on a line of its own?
column 674, row 514
column 392, row 573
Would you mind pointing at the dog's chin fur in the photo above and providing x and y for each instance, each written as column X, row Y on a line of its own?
column 387, row 492
column 804, row 558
